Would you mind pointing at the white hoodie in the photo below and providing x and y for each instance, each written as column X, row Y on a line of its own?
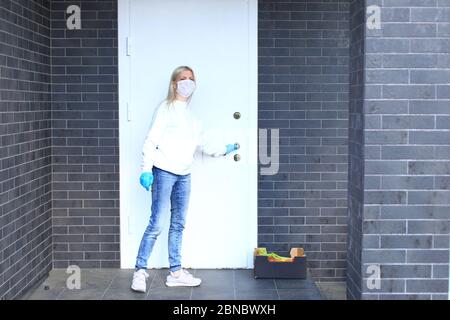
column 173, row 137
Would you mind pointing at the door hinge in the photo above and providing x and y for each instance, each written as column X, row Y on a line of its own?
column 128, row 46
column 128, row 112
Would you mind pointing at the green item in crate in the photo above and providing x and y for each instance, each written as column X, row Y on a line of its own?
column 272, row 255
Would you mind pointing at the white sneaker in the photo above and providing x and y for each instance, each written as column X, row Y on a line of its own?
column 139, row 281
column 185, row 279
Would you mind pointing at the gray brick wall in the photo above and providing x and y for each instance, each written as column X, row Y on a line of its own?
column 407, row 158
column 85, row 136
column 356, row 149
column 25, row 147
column 303, row 91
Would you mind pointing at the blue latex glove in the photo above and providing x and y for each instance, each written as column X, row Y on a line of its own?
column 232, row 147
column 146, row 180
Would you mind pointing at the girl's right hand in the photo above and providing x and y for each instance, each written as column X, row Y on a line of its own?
column 146, row 180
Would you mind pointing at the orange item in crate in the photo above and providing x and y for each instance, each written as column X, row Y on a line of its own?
column 273, row 257
column 271, row 265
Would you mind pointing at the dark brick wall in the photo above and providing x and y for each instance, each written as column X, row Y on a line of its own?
column 303, row 91
column 85, row 136
column 25, row 147
column 356, row 149
column 407, row 161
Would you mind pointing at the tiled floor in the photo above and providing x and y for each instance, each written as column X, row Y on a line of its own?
column 333, row 290
column 114, row 284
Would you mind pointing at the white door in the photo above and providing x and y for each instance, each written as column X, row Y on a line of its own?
column 218, row 39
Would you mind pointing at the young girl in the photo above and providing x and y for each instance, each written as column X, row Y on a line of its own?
column 168, row 154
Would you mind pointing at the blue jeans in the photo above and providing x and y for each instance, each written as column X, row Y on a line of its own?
column 167, row 189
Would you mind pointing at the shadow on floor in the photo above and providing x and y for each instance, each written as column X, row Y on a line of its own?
column 217, row 284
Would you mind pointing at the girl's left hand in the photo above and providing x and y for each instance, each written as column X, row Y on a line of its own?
column 231, row 147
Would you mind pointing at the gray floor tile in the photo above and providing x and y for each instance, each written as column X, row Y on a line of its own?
column 170, row 293
column 105, row 272
column 217, row 284
column 128, row 273
column 294, row 294
column 215, row 273
column 89, row 278
column 216, row 278
column 56, row 279
column 244, row 280
column 333, row 290
column 213, row 291
column 123, row 294
column 212, row 295
column 159, row 278
column 42, row 294
column 93, row 279
column 295, row 284
column 124, row 282
column 267, row 294
column 81, row 294
column 100, row 284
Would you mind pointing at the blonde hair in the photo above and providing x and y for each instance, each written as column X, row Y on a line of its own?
column 172, row 87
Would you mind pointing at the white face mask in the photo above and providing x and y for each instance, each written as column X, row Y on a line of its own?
column 185, row 87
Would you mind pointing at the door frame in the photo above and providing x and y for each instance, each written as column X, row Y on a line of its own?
column 123, row 10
